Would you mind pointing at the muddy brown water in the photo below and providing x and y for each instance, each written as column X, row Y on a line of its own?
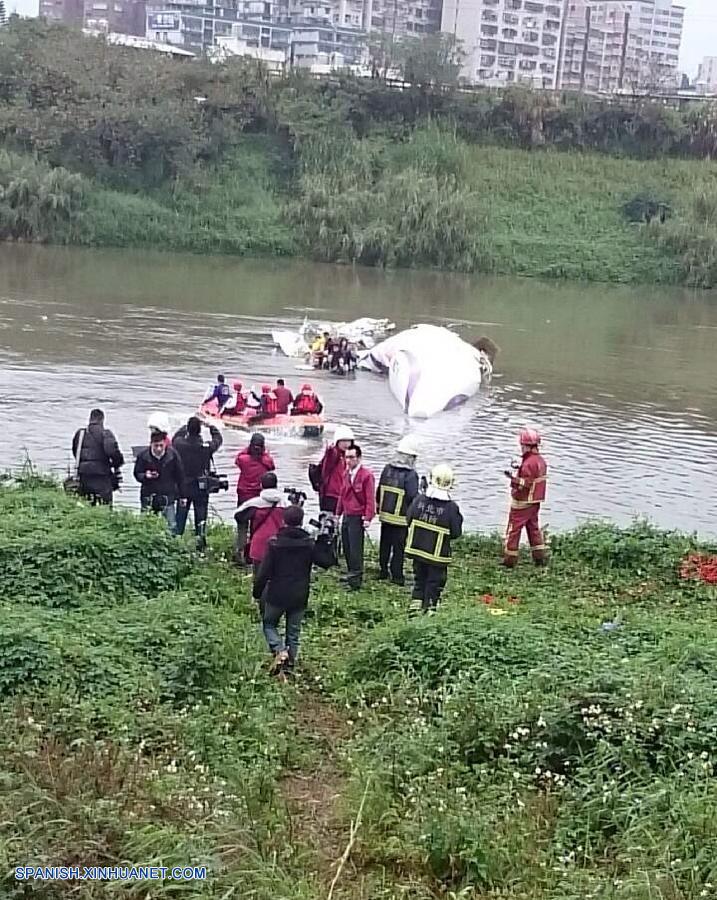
column 622, row 381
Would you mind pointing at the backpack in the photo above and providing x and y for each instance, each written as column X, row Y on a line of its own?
column 315, row 476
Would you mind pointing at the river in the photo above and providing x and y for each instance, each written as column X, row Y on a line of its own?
column 622, row 381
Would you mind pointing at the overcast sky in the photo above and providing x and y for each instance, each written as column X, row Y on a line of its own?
column 700, row 37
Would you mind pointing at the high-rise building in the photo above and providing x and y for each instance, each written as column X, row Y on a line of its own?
column 120, row 16
column 620, row 45
column 507, row 41
column 707, row 76
column 315, row 34
column 593, row 53
column 68, row 12
column 3, row 14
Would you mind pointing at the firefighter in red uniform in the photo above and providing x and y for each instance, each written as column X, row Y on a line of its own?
column 527, row 490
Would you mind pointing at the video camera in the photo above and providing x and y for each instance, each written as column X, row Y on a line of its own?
column 296, row 497
column 326, row 540
column 213, row 483
column 327, row 527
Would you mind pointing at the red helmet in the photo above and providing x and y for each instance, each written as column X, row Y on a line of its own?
column 307, row 387
column 529, row 437
column 266, row 388
column 237, row 385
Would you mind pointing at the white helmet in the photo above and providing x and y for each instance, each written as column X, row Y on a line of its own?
column 442, row 476
column 343, row 433
column 158, row 421
column 408, row 446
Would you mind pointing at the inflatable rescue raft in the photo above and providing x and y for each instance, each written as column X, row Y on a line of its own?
column 304, row 425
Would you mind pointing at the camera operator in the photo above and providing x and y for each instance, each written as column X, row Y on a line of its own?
column 98, row 460
column 160, row 472
column 196, row 457
column 265, row 515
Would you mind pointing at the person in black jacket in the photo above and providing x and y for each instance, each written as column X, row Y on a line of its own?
column 100, row 460
column 160, row 472
column 196, row 457
column 283, row 584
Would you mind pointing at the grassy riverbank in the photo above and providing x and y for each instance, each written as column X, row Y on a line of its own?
column 511, row 748
column 107, row 147
column 500, row 211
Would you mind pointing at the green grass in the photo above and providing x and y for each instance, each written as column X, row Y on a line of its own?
column 511, row 749
column 429, row 200
column 233, row 208
column 553, row 214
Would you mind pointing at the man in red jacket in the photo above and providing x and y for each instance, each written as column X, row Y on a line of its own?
column 527, row 490
column 357, row 505
column 284, row 397
column 333, row 469
column 253, row 462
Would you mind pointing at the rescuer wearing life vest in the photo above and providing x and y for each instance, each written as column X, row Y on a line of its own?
column 397, row 489
column 236, row 404
column 268, row 404
column 434, row 520
column 307, row 403
column 528, row 484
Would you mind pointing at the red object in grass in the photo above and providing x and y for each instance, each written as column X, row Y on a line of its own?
column 488, row 599
column 513, row 600
column 697, row 567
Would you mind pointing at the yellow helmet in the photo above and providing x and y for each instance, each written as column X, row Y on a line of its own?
column 442, row 476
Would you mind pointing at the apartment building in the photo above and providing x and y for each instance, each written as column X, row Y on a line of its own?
column 122, row 16
column 620, row 45
column 507, row 41
column 3, row 13
column 69, row 12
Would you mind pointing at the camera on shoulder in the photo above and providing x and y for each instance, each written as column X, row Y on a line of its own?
column 213, row 483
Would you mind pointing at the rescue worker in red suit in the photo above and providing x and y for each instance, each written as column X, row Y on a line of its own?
column 265, row 514
column 527, row 490
column 236, row 404
column 268, row 404
column 253, row 462
column 284, row 398
column 307, row 403
column 333, row 469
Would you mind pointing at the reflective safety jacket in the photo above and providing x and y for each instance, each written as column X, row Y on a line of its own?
column 397, row 489
column 432, row 524
column 528, row 485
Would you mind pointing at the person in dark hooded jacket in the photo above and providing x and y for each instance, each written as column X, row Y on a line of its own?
column 100, row 460
column 196, row 457
column 283, row 584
